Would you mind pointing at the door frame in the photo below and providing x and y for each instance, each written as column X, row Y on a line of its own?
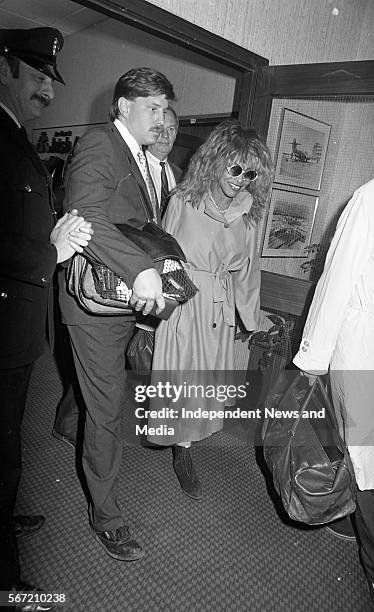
column 165, row 25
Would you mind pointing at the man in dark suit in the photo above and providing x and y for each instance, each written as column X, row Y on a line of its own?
column 165, row 174
column 109, row 183
column 31, row 244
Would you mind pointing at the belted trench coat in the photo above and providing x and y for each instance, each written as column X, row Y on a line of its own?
column 196, row 345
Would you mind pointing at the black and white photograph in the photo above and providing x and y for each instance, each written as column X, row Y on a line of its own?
column 302, row 150
column 289, row 224
column 186, row 306
column 57, row 140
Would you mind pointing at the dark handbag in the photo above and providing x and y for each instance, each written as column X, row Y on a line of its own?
column 308, row 460
column 139, row 352
column 101, row 291
column 269, row 353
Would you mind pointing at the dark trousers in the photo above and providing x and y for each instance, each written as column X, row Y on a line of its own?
column 13, row 390
column 364, row 517
column 69, row 415
column 99, row 357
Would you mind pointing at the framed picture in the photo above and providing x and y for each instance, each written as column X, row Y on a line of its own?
column 58, row 141
column 55, row 146
column 302, row 150
column 289, row 224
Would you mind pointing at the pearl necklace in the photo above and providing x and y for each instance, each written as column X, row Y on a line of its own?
column 216, row 205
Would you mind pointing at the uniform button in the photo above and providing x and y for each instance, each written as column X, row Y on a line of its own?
column 304, row 349
column 44, row 280
column 306, row 343
column 214, row 325
column 3, row 295
column 27, row 188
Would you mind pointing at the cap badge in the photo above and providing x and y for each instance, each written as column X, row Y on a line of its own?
column 56, row 46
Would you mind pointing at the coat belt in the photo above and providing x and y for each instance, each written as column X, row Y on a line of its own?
column 223, row 293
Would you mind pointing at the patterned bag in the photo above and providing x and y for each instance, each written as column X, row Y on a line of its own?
column 99, row 290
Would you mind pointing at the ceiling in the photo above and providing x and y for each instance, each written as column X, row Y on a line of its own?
column 65, row 15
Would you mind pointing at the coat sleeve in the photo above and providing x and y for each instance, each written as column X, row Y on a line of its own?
column 349, row 252
column 247, row 284
column 90, row 188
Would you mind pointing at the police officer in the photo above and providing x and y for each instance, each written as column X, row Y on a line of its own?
column 31, row 244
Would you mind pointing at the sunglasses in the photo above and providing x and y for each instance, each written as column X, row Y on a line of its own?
column 236, row 170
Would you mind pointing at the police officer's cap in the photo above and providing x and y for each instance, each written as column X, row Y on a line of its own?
column 37, row 47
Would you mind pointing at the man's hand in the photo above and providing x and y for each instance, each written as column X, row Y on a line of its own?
column 146, row 291
column 70, row 234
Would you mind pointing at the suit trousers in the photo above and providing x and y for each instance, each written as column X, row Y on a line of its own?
column 99, row 357
column 13, row 390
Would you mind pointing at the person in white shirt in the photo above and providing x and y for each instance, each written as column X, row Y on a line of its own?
column 339, row 337
column 165, row 174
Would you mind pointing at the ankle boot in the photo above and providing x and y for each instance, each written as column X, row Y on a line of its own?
column 185, row 471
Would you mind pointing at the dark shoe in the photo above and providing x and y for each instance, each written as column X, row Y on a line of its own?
column 27, row 525
column 343, row 529
column 119, row 544
column 62, row 438
column 185, row 471
column 34, row 604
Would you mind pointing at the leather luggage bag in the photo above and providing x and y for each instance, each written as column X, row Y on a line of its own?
column 303, row 450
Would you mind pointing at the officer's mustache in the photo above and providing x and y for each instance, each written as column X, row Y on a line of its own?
column 42, row 99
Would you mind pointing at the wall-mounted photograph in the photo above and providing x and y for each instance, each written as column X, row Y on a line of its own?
column 302, row 150
column 58, row 140
column 55, row 146
column 289, row 224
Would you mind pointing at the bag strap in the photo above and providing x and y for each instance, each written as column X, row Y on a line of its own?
column 304, row 401
column 316, row 384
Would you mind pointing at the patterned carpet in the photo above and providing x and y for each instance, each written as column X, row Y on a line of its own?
column 229, row 552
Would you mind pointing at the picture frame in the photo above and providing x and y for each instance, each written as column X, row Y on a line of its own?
column 289, row 223
column 302, row 150
column 55, row 145
column 58, row 141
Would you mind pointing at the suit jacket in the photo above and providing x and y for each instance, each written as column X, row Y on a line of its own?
column 107, row 187
column 27, row 259
column 176, row 171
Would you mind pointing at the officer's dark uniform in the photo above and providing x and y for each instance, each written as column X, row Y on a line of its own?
column 27, row 265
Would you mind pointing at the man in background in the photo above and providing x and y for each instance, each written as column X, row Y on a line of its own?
column 165, row 174
column 31, row 244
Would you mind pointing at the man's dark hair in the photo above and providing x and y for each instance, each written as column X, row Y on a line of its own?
column 140, row 82
column 13, row 63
